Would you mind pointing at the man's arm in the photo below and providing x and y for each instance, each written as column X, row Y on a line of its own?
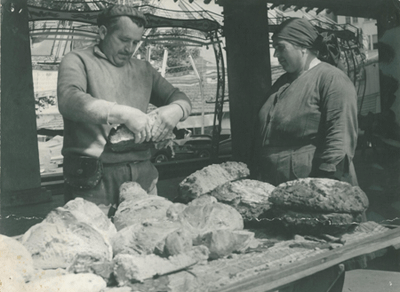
column 76, row 104
column 169, row 115
column 174, row 105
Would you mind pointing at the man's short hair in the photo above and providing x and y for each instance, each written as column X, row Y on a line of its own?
column 109, row 16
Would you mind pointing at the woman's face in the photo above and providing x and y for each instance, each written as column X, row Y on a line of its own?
column 290, row 56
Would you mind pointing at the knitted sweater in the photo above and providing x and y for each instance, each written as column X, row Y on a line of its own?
column 86, row 76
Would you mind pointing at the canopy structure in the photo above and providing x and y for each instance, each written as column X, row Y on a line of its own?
column 355, row 8
column 72, row 24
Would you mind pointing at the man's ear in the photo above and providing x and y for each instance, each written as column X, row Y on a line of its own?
column 102, row 32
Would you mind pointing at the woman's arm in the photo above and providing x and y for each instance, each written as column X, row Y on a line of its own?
column 339, row 127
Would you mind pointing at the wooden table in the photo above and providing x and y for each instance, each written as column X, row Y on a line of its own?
column 273, row 279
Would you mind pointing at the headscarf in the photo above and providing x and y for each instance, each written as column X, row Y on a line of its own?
column 297, row 30
column 301, row 32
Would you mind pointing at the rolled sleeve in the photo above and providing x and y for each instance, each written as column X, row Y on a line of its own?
column 164, row 93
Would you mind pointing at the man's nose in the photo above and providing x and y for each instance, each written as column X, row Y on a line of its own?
column 276, row 53
column 130, row 48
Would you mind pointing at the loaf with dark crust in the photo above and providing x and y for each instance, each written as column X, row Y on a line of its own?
column 318, row 206
column 318, row 223
column 319, row 194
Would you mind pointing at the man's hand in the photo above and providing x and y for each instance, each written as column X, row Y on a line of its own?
column 139, row 123
column 169, row 116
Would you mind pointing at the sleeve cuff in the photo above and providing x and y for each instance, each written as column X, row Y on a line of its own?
column 186, row 109
column 328, row 167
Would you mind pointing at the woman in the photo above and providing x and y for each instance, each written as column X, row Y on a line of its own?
column 308, row 125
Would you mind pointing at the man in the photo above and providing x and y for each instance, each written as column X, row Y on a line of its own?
column 103, row 86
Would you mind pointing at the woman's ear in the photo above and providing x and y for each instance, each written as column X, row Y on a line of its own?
column 102, row 32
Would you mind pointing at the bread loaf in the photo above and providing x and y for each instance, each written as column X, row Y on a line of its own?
column 121, row 139
column 319, row 194
column 249, row 197
column 55, row 246
column 207, row 179
column 317, row 206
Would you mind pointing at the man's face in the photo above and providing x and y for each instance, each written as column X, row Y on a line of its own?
column 120, row 43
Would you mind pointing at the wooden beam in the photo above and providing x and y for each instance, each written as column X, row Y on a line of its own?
column 249, row 73
column 389, row 63
column 20, row 170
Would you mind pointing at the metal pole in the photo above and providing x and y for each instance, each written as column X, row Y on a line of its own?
column 164, row 63
column 201, row 93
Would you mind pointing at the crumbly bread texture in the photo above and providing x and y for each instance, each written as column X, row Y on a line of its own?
column 177, row 242
column 202, row 218
column 80, row 210
column 319, row 194
column 149, row 208
column 224, row 242
column 208, row 178
column 70, row 282
column 86, row 263
column 318, row 223
column 143, row 238
column 16, row 261
column 129, row 268
column 249, row 197
column 55, row 245
column 131, row 190
column 121, row 139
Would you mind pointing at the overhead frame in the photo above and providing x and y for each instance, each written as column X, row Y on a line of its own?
column 210, row 27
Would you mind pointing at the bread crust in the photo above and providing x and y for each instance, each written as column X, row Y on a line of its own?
column 319, row 194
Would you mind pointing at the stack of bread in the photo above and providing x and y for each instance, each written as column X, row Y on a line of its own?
column 318, row 206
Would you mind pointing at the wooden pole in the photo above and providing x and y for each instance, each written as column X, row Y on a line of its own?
column 20, row 170
column 389, row 62
column 249, row 71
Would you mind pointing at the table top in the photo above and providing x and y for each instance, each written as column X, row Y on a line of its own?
column 282, row 264
column 374, row 239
